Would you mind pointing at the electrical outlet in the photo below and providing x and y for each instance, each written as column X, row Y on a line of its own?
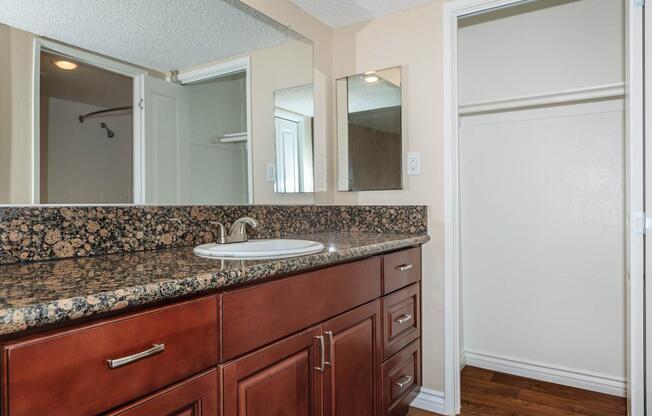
column 414, row 163
column 270, row 173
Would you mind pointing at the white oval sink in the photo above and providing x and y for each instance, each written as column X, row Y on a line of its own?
column 259, row 249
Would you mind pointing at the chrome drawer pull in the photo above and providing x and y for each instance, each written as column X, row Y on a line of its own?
column 330, row 348
column 404, row 267
column 323, row 357
column 119, row 362
column 403, row 318
column 406, row 380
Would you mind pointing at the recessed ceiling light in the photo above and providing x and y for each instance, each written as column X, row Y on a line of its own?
column 370, row 76
column 66, row 65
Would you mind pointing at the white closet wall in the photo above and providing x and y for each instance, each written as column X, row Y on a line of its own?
column 543, row 267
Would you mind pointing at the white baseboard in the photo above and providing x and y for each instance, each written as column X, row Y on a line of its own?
column 430, row 400
column 545, row 372
column 462, row 360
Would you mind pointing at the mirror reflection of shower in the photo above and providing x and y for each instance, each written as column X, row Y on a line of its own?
column 109, row 133
column 85, row 135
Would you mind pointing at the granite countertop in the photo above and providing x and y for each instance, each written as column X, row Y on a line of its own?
column 44, row 293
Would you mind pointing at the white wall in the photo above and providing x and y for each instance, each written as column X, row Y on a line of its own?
column 218, row 171
column 83, row 164
column 566, row 45
column 543, row 267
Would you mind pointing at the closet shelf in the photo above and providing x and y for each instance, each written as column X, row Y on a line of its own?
column 597, row 93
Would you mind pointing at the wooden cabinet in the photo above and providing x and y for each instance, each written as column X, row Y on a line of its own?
column 333, row 366
column 401, row 375
column 401, row 319
column 353, row 345
column 326, row 342
column 166, row 345
column 257, row 315
column 194, row 397
column 401, row 268
column 278, row 380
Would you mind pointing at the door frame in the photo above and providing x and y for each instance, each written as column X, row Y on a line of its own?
column 218, row 70
column 452, row 10
column 101, row 62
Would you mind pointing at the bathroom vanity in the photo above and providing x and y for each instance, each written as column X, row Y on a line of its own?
column 338, row 331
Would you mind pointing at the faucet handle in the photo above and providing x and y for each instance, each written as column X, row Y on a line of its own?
column 221, row 232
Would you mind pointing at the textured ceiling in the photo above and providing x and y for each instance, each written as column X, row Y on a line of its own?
column 338, row 13
column 157, row 34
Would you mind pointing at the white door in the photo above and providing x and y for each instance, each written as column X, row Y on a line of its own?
column 165, row 152
column 638, row 198
column 645, row 299
column 287, row 156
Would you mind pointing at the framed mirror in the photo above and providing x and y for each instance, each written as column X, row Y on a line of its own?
column 96, row 113
column 371, row 136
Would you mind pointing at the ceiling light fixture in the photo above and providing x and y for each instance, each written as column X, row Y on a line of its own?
column 66, row 65
column 370, row 77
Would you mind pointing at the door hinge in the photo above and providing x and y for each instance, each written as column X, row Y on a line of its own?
column 639, row 3
column 141, row 104
column 642, row 223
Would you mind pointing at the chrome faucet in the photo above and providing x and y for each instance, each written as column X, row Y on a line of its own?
column 237, row 232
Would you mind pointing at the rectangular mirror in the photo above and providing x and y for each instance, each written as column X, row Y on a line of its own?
column 217, row 112
column 370, row 131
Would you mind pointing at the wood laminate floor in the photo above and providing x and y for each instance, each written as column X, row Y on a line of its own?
column 488, row 393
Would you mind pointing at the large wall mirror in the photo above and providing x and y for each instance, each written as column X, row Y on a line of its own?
column 370, row 131
column 153, row 103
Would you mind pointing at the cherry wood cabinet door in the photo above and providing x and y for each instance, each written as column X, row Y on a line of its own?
column 281, row 379
column 194, row 397
column 351, row 377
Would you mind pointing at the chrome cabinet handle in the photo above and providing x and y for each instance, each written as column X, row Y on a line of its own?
column 330, row 348
column 404, row 267
column 119, row 362
column 403, row 318
column 406, row 380
column 323, row 358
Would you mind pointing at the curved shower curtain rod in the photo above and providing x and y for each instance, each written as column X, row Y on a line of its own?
column 108, row 110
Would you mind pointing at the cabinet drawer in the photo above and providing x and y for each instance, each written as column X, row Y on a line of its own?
column 401, row 375
column 194, row 397
column 255, row 316
column 68, row 372
column 401, row 319
column 401, row 269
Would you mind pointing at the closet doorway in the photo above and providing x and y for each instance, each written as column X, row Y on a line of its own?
column 540, row 184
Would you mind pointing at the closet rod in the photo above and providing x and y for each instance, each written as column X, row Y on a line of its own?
column 108, row 110
column 596, row 93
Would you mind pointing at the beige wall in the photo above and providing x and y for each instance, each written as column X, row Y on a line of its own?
column 16, row 55
column 410, row 38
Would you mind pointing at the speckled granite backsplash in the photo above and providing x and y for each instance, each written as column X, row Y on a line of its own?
column 45, row 233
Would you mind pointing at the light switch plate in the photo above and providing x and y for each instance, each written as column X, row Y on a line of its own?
column 270, row 172
column 414, row 163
